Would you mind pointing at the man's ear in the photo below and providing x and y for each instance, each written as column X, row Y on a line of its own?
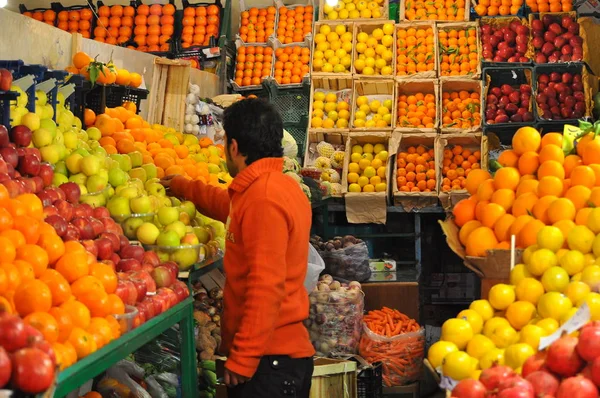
column 233, row 147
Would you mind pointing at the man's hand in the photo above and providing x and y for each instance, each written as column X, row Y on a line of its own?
column 166, row 182
column 233, row 379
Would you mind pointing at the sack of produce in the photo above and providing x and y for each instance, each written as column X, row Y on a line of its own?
column 395, row 340
column 335, row 319
column 345, row 257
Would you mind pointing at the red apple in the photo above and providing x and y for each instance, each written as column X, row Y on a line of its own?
column 71, row 191
column 21, row 136
column 38, row 183
column 147, row 268
column 100, row 212
column 173, row 268
column 151, row 258
column 132, row 251
column 181, row 290
column 114, row 239
column 146, row 277
column 128, row 264
column 50, row 211
column 148, row 306
column 126, row 291
column 83, row 225
column 45, row 347
column 71, row 234
column 84, row 209
column 169, row 294
column 10, row 155
column 161, row 303
column 65, row 209
column 29, row 165
column 162, row 276
column 90, row 246
column 6, row 79
column 110, row 263
column 13, row 188
column 140, row 287
column 105, row 248
column 97, row 226
column 115, row 259
column 58, row 223
column 46, row 174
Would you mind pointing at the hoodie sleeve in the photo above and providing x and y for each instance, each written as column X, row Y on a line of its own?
column 211, row 201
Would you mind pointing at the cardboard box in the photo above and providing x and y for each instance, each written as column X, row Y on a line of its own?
column 332, row 24
column 374, row 89
column 368, row 27
column 409, row 88
column 403, row 49
column 473, row 27
column 447, row 87
column 341, row 87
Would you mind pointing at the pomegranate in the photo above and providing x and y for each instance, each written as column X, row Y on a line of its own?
column 6, row 367
column 588, row 347
column 578, row 386
column 12, row 333
column 543, row 383
column 492, row 377
column 534, row 363
column 562, row 357
column 516, row 387
column 469, row 388
column 594, row 371
column 33, row 370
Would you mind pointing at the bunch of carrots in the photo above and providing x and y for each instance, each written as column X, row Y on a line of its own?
column 395, row 341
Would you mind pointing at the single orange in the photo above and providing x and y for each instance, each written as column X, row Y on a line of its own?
column 45, row 323
column 58, row 285
column 32, row 296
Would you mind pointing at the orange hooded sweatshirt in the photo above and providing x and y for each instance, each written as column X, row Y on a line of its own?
column 268, row 221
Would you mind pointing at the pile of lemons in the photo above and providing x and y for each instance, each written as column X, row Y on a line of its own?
column 367, row 168
column 372, row 113
column 374, row 52
column 329, row 111
column 354, row 9
column 333, row 49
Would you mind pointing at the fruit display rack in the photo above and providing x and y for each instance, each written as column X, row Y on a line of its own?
column 88, row 368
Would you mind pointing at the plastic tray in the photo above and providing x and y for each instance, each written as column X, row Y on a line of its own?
column 179, row 50
column 504, row 132
column 58, row 7
column 23, row 10
column 100, row 97
column 369, row 383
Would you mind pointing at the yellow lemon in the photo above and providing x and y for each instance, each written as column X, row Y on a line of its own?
column 388, row 28
column 362, row 100
column 483, row 308
column 540, row 261
column 531, row 334
column 324, row 31
column 354, row 188
column 520, row 313
column 576, row 291
column 515, row 355
column 362, row 181
column 590, row 258
column 438, row 351
column 553, row 305
column 560, row 253
column 369, row 188
column 491, row 358
column 364, row 163
column 331, row 97
column 593, row 221
column 457, row 331
column 316, row 122
column 555, row 279
column 581, row 238
column 528, row 252
column 591, row 276
column 503, row 336
column 362, row 37
column 458, row 365
column 529, row 289
column 593, row 302
column 479, row 346
column 550, row 237
column 550, row 325
column 352, row 177
column 518, row 273
column 492, row 324
column 473, row 318
column 572, row 261
column 328, row 123
column 501, row 296
column 319, row 96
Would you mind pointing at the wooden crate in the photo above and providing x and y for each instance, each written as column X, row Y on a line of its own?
column 401, row 142
column 314, row 137
column 170, row 81
column 368, row 28
column 373, row 89
column 473, row 27
column 409, row 3
column 236, row 87
column 401, row 44
column 411, row 87
column 452, row 86
column 342, row 87
column 384, row 9
column 332, row 24
column 333, row 378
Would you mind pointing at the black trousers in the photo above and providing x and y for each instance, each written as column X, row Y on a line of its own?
column 277, row 377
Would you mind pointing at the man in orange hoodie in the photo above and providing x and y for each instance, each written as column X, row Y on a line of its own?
column 268, row 221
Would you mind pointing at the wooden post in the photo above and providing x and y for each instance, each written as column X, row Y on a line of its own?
column 76, row 43
column 170, row 81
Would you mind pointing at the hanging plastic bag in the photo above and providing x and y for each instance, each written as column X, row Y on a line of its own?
column 316, row 265
column 350, row 261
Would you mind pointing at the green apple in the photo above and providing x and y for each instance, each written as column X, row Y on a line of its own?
column 151, row 171
column 82, row 135
column 94, row 133
column 77, row 123
column 124, row 163
column 136, row 182
column 147, row 233
column 96, row 200
column 175, row 202
column 155, row 202
column 190, row 139
column 166, row 202
column 168, row 215
column 118, row 206
column 136, row 158
column 82, row 151
column 200, row 158
column 117, row 177
column 219, row 228
column 110, row 163
column 90, row 165
column 156, row 189
column 168, row 238
column 100, row 153
column 190, row 239
column 78, row 178
column 70, row 139
column 178, row 227
column 185, row 258
column 189, row 208
column 127, row 191
column 51, row 154
column 31, row 120
column 184, row 218
column 40, row 98
column 172, row 138
column 59, row 138
column 138, row 173
column 41, row 138
column 140, row 205
column 82, row 189
column 48, row 124
column 213, row 168
column 203, row 234
column 131, row 225
column 59, row 179
column 96, row 183
column 74, row 163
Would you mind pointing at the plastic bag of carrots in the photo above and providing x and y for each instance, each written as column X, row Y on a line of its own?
column 395, row 340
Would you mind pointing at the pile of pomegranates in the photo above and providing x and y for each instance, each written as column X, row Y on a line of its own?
column 506, row 43
column 560, row 96
column 556, row 39
column 569, row 368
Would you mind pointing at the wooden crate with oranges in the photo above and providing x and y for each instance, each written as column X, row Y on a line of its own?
column 154, row 27
column 436, row 10
column 459, row 50
column 330, row 104
column 295, row 23
column 415, row 168
column 416, row 106
column 116, row 24
column 200, row 22
column 257, row 25
column 291, row 64
column 373, row 105
column 355, row 10
column 416, row 50
column 328, row 39
column 253, row 64
column 460, row 107
column 374, row 50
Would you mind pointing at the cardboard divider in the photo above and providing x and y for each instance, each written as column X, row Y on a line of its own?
column 589, row 30
column 456, row 86
column 514, row 77
column 404, row 4
column 365, row 207
column 472, row 27
column 400, row 142
column 332, row 24
column 404, row 49
column 373, row 89
column 341, row 87
column 409, row 88
column 368, row 28
column 473, row 142
column 500, row 22
column 384, row 9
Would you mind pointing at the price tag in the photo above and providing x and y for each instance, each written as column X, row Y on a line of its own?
column 446, row 383
column 577, row 321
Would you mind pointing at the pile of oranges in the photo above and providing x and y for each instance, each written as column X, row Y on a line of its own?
column 550, row 5
column 253, row 64
column 291, row 64
column 416, row 169
column 108, row 75
column 57, row 287
column 294, row 23
column 418, row 110
column 458, row 52
column 154, row 27
column 257, row 25
column 414, row 50
column 199, row 25
column 76, row 21
column 438, row 10
column 500, row 7
column 461, row 109
column 456, row 166
column 47, row 16
column 114, row 25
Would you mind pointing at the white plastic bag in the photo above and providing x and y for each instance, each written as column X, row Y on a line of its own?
column 316, row 265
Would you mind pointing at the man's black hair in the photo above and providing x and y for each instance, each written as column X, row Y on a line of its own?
column 257, row 127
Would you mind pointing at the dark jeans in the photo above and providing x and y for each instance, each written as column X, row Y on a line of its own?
column 277, row 377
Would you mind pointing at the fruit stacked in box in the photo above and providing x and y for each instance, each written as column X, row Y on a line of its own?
column 507, row 96
column 505, row 40
column 417, row 103
column 461, row 155
column 75, row 19
column 354, row 10
column 253, row 64
column 416, row 50
column 561, row 93
column 367, row 164
column 331, row 106
column 374, row 49
column 154, row 27
column 114, row 24
column 373, row 104
column 200, row 22
column 324, row 158
column 556, row 38
column 332, row 48
column 294, row 23
column 458, row 50
column 461, row 108
column 416, row 167
column 257, row 24
column 420, row 10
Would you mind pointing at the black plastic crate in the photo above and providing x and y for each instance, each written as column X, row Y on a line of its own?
column 493, row 64
column 58, row 8
column 504, row 133
column 298, row 131
column 60, row 76
column 555, row 127
column 5, row 98
column 369, row 383
column 536, row 16
column 37, row 14
column 514, row 76
column 292, row 104
column 77, row 101
column 100, row 97
column 546, row 69
column 19, row 69
column 213, row 42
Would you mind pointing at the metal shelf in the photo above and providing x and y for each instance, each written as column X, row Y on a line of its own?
column 93, row 365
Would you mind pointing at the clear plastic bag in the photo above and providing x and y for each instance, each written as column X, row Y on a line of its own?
column 349, row 263
column 335, row 321
column 316, row 265
column 401, row 356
